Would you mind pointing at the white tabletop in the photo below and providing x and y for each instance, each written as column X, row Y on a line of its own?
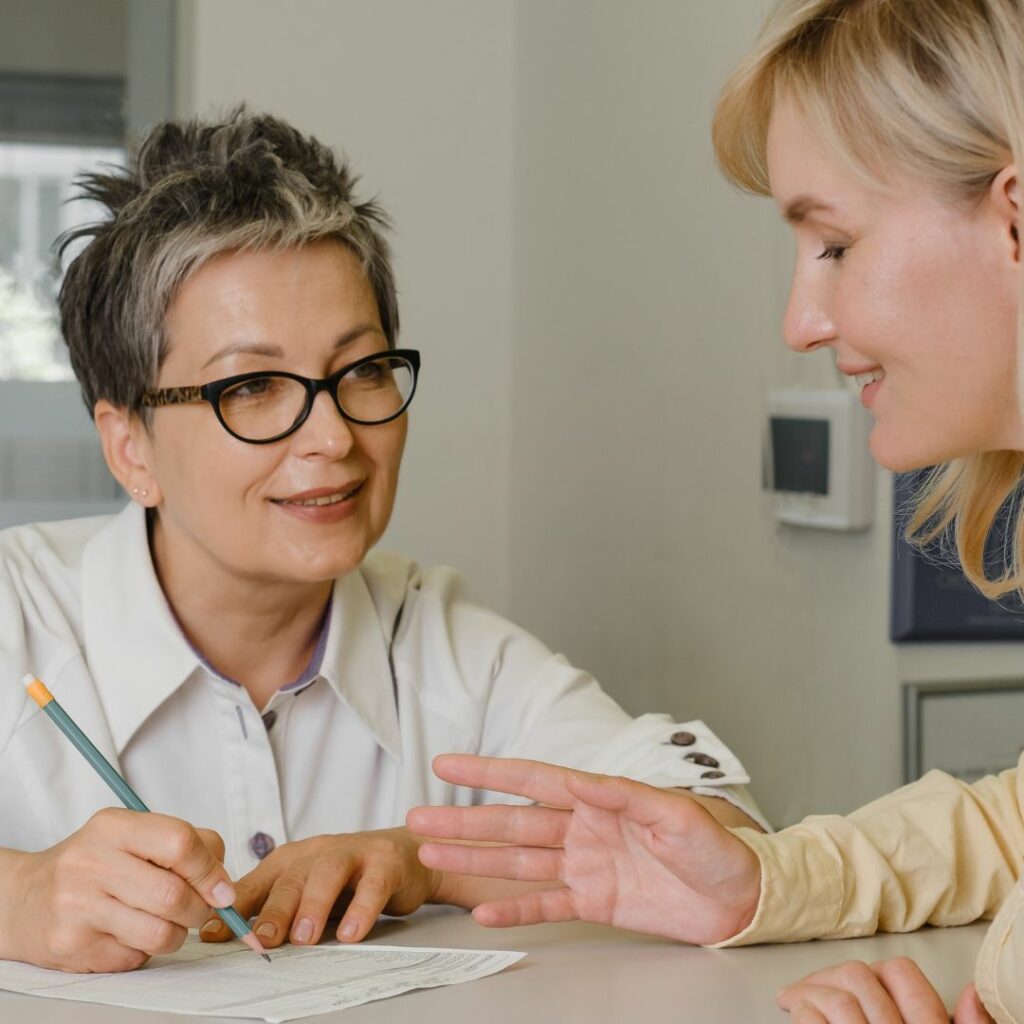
column 577, row 972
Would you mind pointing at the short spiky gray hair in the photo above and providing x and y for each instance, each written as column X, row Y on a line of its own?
column 193, row 190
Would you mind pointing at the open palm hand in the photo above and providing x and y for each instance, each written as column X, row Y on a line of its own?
column 625, row 854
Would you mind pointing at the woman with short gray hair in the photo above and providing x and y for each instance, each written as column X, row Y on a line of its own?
column 229, row 641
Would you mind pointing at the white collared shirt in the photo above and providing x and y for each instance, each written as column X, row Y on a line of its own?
column 411, row 668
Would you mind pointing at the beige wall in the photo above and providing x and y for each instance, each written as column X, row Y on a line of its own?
column 598, row 312
column 648, row 301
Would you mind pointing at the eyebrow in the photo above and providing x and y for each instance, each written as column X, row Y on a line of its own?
column 797, row 211
column 275, row 351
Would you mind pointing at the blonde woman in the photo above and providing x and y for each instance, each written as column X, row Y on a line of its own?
column 889, row 133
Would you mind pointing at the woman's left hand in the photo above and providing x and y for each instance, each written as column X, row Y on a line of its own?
column 296, row 887
column 889, row 992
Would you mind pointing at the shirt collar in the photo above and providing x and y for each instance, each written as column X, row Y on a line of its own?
column 357, row 660
column 138, row 655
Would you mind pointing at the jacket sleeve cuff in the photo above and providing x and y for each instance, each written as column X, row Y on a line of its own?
column 801, row 888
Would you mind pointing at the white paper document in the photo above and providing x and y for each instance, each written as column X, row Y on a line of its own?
column 231, row 981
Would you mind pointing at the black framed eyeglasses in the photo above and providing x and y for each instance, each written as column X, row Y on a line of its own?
column 268, row 405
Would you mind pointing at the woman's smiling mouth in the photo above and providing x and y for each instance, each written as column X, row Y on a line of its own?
column 321, row 496
column 864, row 379
column 869, row 384
column 323, row 504
column 868, row 379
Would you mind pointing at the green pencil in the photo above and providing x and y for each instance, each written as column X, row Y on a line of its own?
column 42, row 696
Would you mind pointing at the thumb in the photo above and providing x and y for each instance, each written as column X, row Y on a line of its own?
column 970, row 1009
column 251, row 892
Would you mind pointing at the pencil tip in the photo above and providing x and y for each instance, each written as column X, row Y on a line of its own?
column 249, row 938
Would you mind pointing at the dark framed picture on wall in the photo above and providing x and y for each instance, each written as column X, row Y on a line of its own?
column 931, row 599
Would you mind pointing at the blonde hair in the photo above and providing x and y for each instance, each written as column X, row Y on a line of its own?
column 933, row 89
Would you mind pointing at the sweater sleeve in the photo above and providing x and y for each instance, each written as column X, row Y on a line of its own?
column 937, row 852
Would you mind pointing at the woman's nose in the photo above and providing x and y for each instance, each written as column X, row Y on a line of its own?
column 325, row 431
column 806, row 325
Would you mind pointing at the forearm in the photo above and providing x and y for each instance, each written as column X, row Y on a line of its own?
column 936, row 852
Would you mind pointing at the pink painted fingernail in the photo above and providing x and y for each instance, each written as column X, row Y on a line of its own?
column 223, row 894
column 303, row 930
column 348, row 930
column 266, row 930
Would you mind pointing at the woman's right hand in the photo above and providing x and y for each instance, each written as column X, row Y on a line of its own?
column 625, row 854
column 122, row 888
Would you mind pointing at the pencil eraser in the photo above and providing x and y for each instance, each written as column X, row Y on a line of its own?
column 37, row 690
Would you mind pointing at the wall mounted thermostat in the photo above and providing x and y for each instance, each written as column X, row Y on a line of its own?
column 817, row 461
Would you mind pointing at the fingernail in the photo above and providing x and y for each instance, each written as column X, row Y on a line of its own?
column 303, row 930
column 211, row 926
column 223, row 894
column 266, row 930
column 348, row 930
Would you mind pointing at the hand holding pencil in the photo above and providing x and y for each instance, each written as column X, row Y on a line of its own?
column 125, row 886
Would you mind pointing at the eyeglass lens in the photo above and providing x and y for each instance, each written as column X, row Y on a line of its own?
column 264, row 407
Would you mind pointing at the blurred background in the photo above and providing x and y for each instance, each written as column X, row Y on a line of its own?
column 598, row 314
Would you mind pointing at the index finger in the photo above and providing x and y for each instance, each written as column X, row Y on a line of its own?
column 174, row 844
column 535, row 780
column 562, row 788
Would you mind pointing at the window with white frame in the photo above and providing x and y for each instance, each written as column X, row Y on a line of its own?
column 51, row 130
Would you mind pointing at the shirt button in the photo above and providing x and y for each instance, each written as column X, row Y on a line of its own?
column 269, row 719
column 261, row 844
column 712, row 775
column 682, row 739
column 705, row 759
